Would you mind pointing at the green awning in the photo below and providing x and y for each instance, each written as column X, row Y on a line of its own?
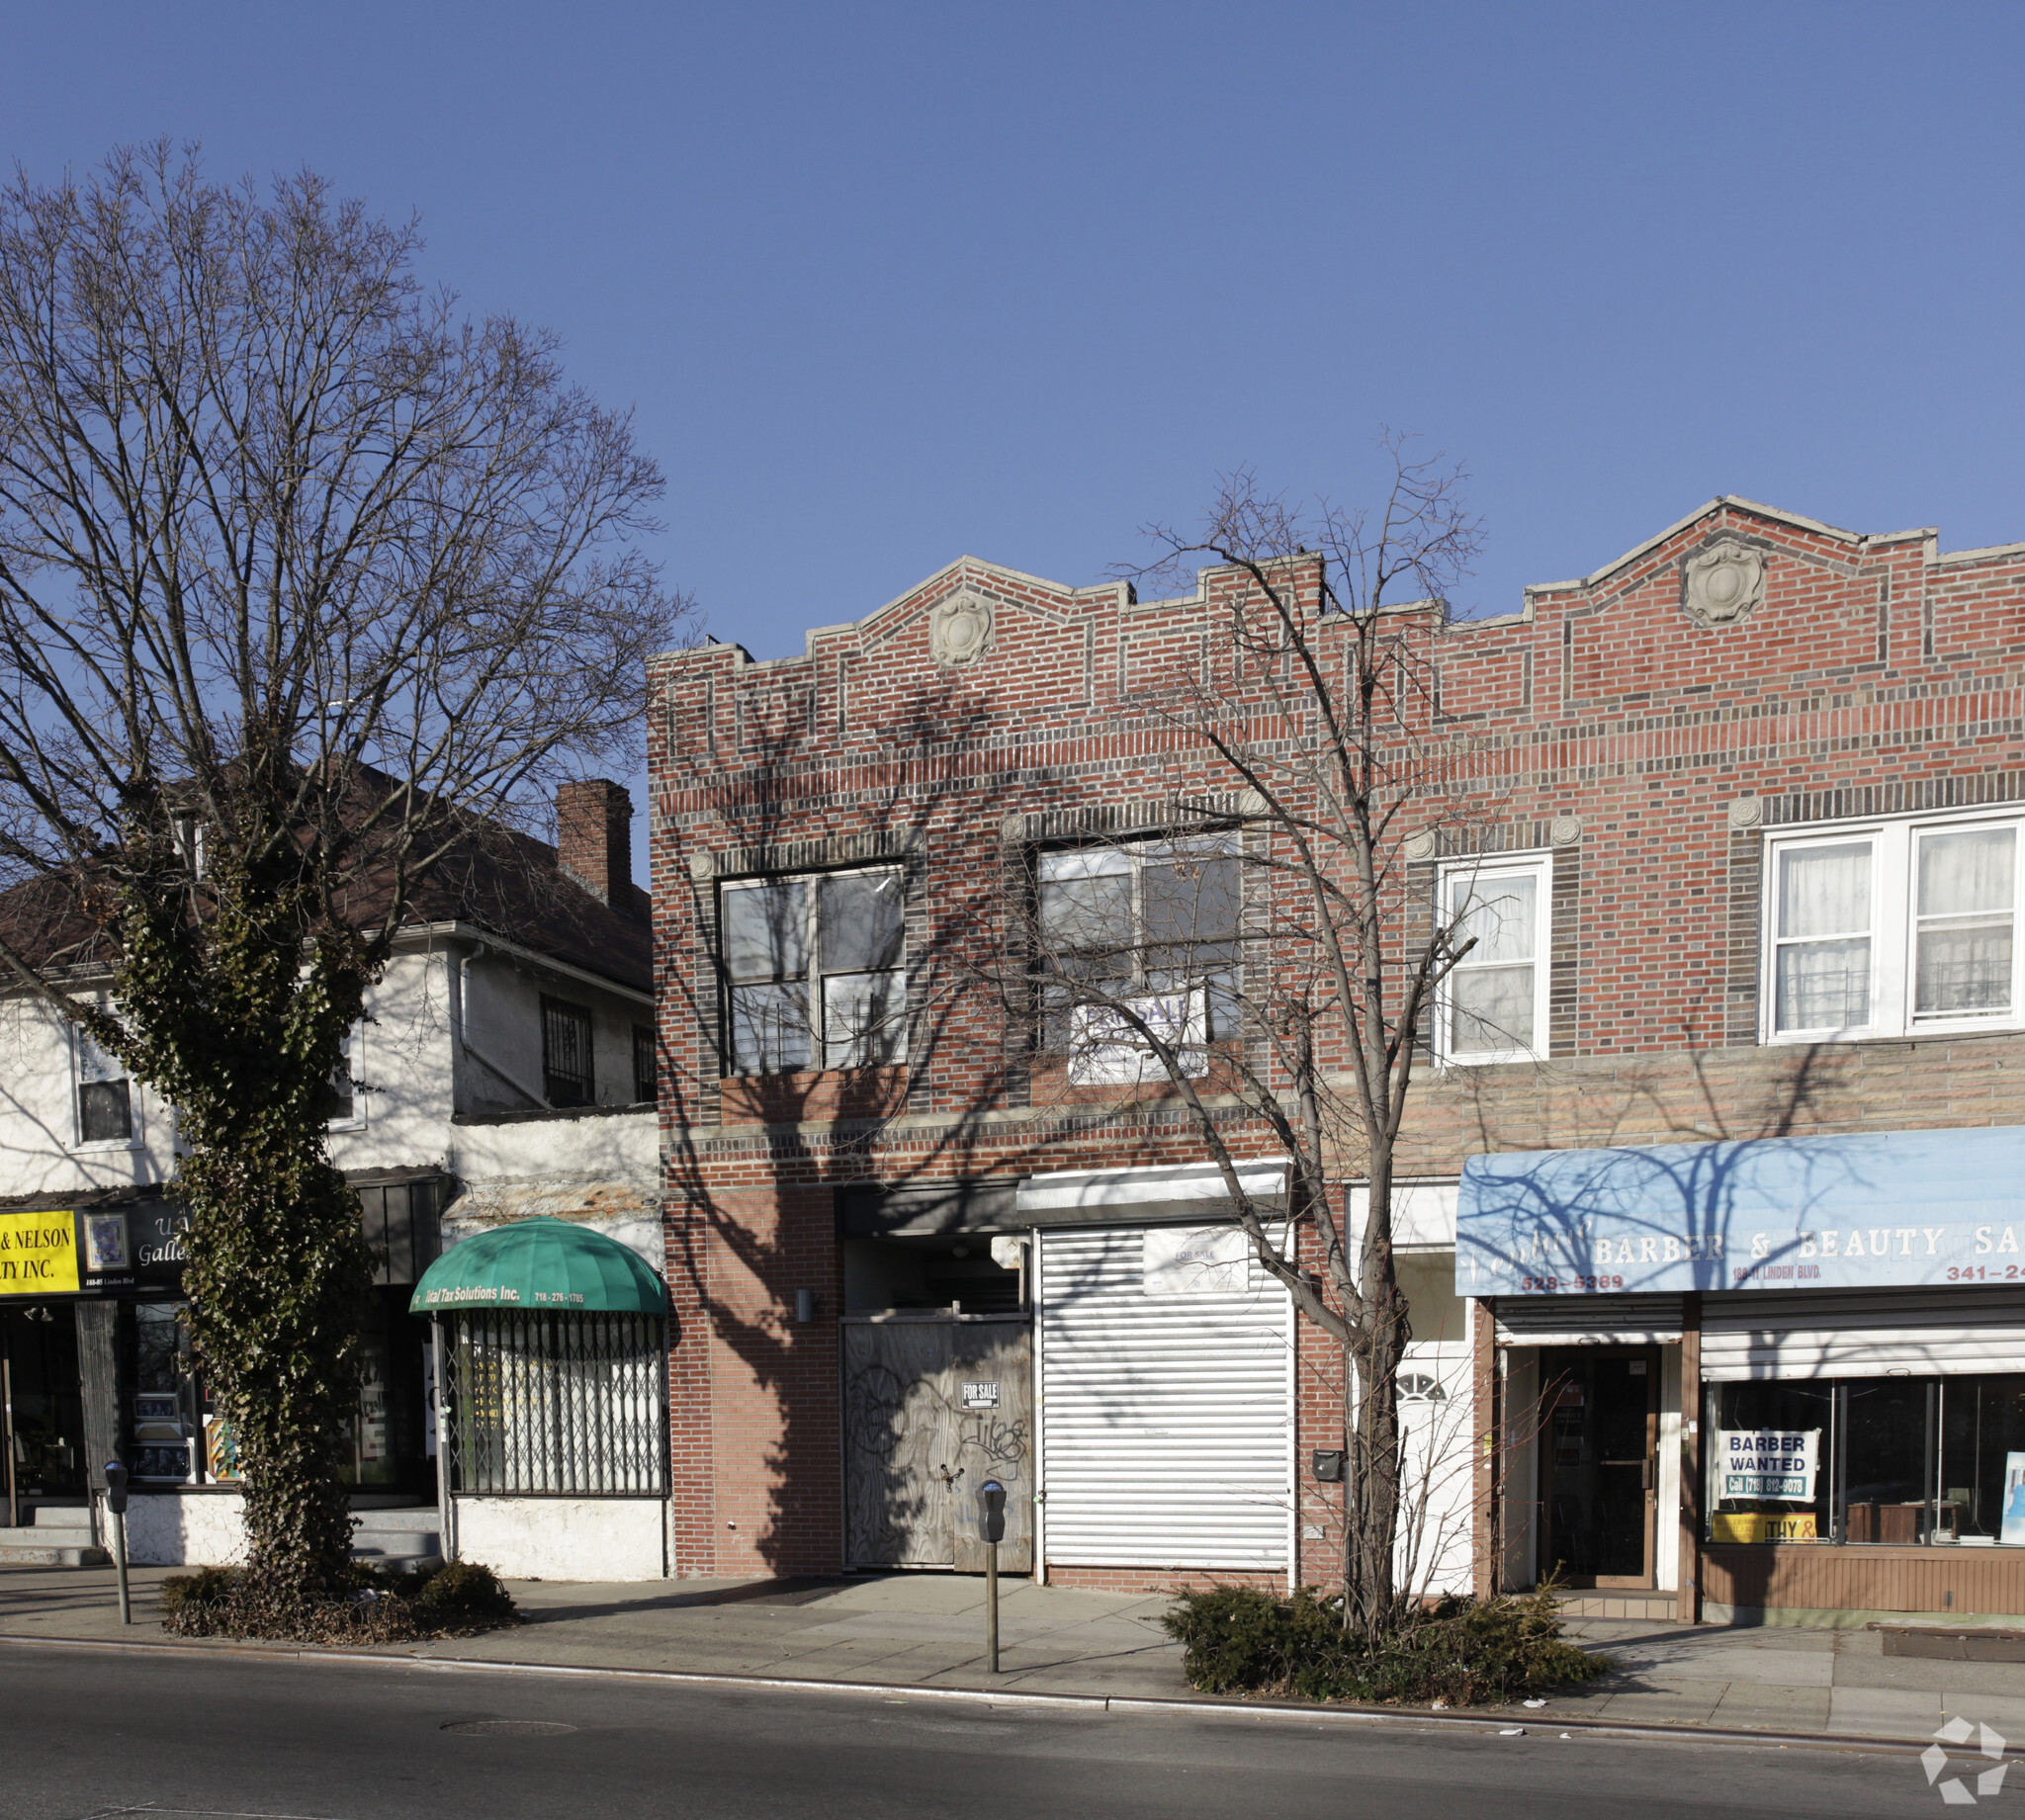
column 540, row 1265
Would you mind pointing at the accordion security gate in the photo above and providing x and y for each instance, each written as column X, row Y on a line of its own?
column 555, row 1405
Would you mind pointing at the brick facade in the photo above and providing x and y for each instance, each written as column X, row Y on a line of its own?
column 1646, row 749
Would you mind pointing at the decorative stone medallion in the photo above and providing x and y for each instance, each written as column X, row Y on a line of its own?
column 1419, row 845
column 1565, row 831
column 1723, row 582
column 1745, row 811
column 960, row 630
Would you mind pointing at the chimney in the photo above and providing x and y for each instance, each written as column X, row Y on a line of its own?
column 594, row 837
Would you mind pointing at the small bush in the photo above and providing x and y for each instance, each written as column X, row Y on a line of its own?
column 208, row 1587
column 380, row 1608
column 1462, row 1651
column 465, row 1594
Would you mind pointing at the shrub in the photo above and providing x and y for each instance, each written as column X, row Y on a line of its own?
column 1462, row 1651
column 465, row 1594
column 380, row 1608
column 208, row 1587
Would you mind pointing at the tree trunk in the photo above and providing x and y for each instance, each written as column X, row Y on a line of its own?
column 239, row 1018
column 277, row 1273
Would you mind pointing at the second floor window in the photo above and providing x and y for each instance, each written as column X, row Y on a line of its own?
column 105, row 1097
column 1493, row 1005
column 568, row 1078
column 813, row 972
column 1891, row 928
column 1146, row 929
column 342, row 1101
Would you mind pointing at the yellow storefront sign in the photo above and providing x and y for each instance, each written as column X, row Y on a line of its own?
column 39, row 1253
column 1765, row 1527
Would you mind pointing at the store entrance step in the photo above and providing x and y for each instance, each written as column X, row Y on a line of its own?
column 1604, row 1601
column 40, row 1546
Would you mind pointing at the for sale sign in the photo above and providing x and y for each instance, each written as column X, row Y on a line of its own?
column 1775, row 1463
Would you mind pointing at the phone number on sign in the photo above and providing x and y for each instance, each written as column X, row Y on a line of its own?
column 1985, row 1273
column 1572, row 1282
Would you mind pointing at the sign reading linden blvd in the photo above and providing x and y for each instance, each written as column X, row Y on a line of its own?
column 39, row 1253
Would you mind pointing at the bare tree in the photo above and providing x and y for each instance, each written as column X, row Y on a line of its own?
column 309, row 583
column 1260, row 956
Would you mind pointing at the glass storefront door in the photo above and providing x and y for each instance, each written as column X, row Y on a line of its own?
column 44, row 1414
column 1599, row 1446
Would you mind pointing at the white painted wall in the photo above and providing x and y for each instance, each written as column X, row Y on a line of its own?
column 1666, row 1542
column 414, row 1082
column 40, row 1148
column 564, row 1538
column 503, row 1034
column 191, row 1530
column 405, row 1059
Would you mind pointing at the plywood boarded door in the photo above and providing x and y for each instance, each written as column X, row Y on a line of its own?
column 931, row 1409
column 992, row 1364
column 900, row 1443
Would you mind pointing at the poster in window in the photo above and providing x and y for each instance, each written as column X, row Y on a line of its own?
column 1763, row 1526
column 105, row 1242
column 1779, row 1464
column 221, row 1450
column 2014, row 1499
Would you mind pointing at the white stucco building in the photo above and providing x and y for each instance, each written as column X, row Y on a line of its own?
column 505, row 1068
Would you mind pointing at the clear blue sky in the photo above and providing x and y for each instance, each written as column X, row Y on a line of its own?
column 890, row 282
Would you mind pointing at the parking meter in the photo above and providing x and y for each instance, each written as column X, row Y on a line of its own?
column 991, row 1523
column 116, row 1507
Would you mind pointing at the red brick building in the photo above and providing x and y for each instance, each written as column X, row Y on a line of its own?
column 1751, row 796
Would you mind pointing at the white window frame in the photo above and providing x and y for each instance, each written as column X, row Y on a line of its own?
column 136, row 1138
column 1894, row 930
column 813, row 972
column 354, row 1054
column 1539, row 867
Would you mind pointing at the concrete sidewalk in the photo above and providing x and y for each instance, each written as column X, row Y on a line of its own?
column 926, row 1630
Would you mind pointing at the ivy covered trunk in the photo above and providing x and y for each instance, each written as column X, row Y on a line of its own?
column 239, row 1018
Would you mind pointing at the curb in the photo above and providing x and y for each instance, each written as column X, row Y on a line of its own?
column 1121, row 1704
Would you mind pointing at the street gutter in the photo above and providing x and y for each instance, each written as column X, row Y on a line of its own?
column 1491, row 1724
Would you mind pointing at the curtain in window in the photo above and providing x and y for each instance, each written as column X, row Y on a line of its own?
column 1823, row 966
column 1491, row 992
column 1965, row 912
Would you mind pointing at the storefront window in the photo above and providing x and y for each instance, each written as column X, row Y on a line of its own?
column 1893, row 1460
column 165, row 1415
column 1768, row 1411
column 1982, row 1458
column 1885, row 1456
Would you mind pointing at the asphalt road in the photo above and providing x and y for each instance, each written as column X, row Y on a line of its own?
column 94, row 1734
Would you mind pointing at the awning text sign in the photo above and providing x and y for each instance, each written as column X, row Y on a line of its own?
column 39, row 1253
column 1871, row 1210
column 1774, row 1463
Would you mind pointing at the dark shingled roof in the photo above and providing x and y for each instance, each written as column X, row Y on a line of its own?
column 508, row 884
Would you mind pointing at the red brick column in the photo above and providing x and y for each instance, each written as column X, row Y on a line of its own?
column 691, row 1414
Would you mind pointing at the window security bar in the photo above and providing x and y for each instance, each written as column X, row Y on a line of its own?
column 555, row 1404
